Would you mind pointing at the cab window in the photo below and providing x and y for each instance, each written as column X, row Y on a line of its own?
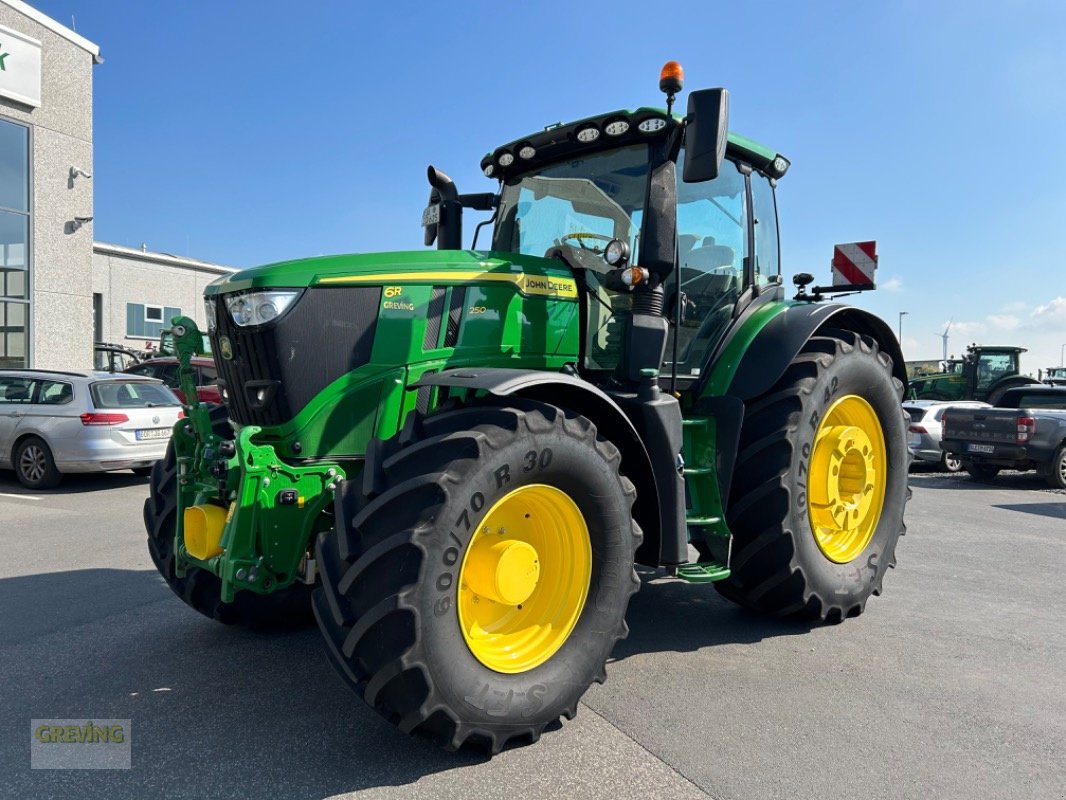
column 712, row 245
column 767, row 242
column 993, row 366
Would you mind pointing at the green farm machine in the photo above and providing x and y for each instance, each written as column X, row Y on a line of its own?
column 455, row 458
column 984, row 373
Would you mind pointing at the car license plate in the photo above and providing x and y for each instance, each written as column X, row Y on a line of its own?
column 914, row 439
column 153, row 433
column 980, row 448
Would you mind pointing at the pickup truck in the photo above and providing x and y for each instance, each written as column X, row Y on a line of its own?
column 1026, row 430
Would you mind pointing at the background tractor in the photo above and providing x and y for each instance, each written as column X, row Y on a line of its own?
column 457, row 457
column 984, row 373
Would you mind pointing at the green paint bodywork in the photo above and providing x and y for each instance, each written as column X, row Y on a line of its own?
column 265, row 542
column 516, row 313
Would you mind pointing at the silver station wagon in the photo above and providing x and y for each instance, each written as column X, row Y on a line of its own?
column 57, row 422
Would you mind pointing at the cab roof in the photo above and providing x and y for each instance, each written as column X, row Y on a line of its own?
column 612, row 129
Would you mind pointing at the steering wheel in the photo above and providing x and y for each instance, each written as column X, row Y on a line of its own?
column 581, row 236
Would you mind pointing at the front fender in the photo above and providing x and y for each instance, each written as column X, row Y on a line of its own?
column 573, row 393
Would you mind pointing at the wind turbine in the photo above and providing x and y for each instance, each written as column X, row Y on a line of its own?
column 944, row 336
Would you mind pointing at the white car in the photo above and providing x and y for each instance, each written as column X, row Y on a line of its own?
column 57, row 422
column 926, row 430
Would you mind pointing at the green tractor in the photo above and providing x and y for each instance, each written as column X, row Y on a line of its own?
column 457, row 457
column 984, row 373
column 1055, row 376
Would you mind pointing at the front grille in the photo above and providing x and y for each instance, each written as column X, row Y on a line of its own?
column 328, row 332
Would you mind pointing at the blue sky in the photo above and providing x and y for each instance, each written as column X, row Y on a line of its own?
column 248, row 132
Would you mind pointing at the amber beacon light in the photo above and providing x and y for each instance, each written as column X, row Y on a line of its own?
column 671, row 81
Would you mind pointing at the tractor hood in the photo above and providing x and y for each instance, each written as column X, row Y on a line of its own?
column 529, row 274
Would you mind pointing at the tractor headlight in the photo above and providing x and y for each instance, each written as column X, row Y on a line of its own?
column 588, row 135
column 209, row 312
column 259, row 308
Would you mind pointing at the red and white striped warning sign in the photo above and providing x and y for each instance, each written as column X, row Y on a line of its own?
column 854, row 264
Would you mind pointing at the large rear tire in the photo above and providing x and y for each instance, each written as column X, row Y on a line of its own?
column 286, row 608
column 817, row 499
column 478, row 581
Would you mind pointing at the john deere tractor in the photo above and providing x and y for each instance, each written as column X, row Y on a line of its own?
column 984, row 373
column 457, row 457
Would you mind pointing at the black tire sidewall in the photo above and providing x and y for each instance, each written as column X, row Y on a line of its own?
column 854, row 372
column 538, row 695
column 1055, row 477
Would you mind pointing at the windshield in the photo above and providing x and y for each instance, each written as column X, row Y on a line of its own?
column 993, row 366
column 584, row 203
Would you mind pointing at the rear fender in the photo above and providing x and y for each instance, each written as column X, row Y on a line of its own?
column 575, row 394
column 782, row 338
column 774, row 347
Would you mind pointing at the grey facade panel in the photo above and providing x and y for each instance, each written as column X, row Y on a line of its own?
column 60, row 256
column 66, row 81
column 123, row 276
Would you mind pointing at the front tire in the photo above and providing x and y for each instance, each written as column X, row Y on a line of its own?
column 480, row 587
column 817, row 499
column 202, row 590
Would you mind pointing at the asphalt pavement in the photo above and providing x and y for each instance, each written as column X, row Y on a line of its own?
column 951, row 685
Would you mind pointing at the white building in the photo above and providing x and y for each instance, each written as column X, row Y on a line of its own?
column 58, row 289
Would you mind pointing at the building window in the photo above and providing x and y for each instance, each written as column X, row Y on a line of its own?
column 98, row 317
column 15, row 226
column 147, row 321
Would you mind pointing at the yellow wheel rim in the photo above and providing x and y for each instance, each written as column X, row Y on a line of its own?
column 847, row 477
column 524, row 578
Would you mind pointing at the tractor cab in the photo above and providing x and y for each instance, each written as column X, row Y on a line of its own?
column 668, row 248
column 983, row 373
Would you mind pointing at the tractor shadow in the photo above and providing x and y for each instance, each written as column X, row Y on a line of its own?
column 74, row 483
column 218, row 711
column 215, row 711
column 962, row 481
column 698, row 618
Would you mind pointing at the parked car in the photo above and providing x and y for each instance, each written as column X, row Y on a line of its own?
column 1026, row 430
column 166, row 369
column 53, row 423
column 925, row 431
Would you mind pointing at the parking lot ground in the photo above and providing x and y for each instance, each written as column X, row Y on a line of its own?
column 951, row 685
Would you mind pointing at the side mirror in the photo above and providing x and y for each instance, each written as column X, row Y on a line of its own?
column 706, row 133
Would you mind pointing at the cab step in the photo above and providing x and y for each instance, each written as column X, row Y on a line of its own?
column 702, row 520
column 703, row 572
